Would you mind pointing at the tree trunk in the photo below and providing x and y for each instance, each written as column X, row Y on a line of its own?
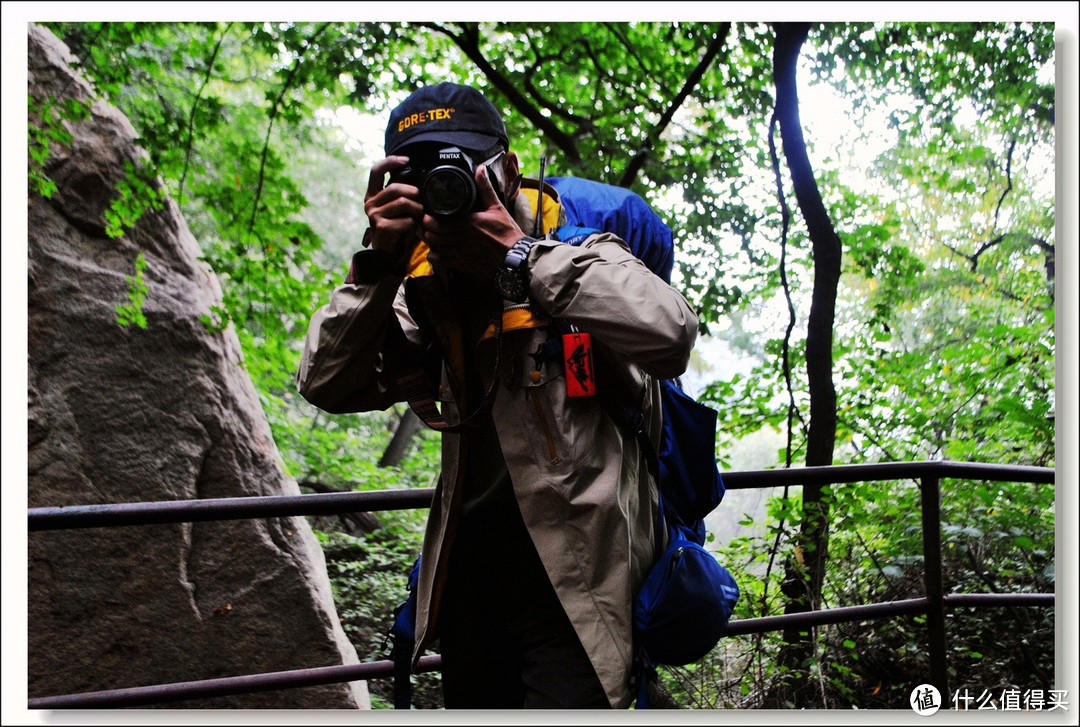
column 409, row 425
column 806, row 570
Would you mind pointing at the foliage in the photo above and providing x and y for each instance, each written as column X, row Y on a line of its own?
column 1005, row 544
column 131, row 312
column 944, row 342
column 47, row 132
column 369, row 577
column 135, row 197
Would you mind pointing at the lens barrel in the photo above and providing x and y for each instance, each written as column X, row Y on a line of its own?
column 444, row 177
column 448, row 191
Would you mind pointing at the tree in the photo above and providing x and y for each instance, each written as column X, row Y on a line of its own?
column 806, row 574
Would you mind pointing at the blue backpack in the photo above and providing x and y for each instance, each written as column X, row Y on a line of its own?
column 687, row 599
column 685, row 603
column 592, row 206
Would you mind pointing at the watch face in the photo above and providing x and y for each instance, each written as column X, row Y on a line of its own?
column 511, row 285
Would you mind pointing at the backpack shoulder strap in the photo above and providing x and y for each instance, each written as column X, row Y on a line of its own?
column 553, row 214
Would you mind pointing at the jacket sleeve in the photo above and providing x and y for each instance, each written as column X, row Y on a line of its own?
column 352, row 343
column 603, row 289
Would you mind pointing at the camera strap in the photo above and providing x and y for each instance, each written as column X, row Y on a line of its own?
column 417, row 388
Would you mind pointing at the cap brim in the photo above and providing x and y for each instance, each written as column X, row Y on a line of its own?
column 466, row 139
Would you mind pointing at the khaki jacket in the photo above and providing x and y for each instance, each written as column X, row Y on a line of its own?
column 581, row 481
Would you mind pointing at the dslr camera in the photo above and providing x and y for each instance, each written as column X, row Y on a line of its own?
column 444, row 177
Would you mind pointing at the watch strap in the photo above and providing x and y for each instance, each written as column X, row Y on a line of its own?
column 517, row 255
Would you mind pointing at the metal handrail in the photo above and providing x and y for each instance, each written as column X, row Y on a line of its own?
column 933, row 604
column 223, row 508
column 336, row 503
column 248, row 684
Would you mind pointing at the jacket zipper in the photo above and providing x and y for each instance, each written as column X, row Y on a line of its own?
column 552, row 453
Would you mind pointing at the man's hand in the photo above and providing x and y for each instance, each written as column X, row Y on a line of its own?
column 477, row 243
column 394, row 212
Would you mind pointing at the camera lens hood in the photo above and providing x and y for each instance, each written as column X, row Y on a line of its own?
column 448, row 191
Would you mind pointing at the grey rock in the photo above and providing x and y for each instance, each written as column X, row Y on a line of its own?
column 122, row 414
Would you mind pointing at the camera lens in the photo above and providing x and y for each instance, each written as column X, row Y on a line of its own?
column 448, row 191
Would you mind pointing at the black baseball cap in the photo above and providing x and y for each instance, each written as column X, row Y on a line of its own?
column 449, row 113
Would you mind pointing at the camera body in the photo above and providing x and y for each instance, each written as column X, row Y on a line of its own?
column 445, row 179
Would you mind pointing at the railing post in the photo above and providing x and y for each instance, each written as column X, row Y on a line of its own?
column 935, row 588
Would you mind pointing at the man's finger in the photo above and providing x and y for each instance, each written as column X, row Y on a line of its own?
column 485, row 193
column 379, row 170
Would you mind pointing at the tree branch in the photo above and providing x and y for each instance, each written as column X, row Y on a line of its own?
column 1008, row 179
column 642, row 154
column 542, row 100
column 785, row 224
column 470, row 45
column 194, row 105
column 275, row 107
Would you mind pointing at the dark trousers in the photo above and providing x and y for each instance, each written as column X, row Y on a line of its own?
column 505, row 639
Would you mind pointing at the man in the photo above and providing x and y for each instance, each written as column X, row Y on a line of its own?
column 542, row 526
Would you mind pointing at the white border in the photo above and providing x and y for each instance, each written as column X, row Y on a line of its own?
column 13, row 315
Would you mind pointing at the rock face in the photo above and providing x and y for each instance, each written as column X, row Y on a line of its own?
column 166, row 412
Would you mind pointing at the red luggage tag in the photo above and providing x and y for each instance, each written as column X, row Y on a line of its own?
column 578, row 364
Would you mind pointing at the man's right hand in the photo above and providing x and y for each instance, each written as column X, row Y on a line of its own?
column 394, row 212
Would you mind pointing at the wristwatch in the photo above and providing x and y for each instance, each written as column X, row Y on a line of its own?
column 512, row 279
